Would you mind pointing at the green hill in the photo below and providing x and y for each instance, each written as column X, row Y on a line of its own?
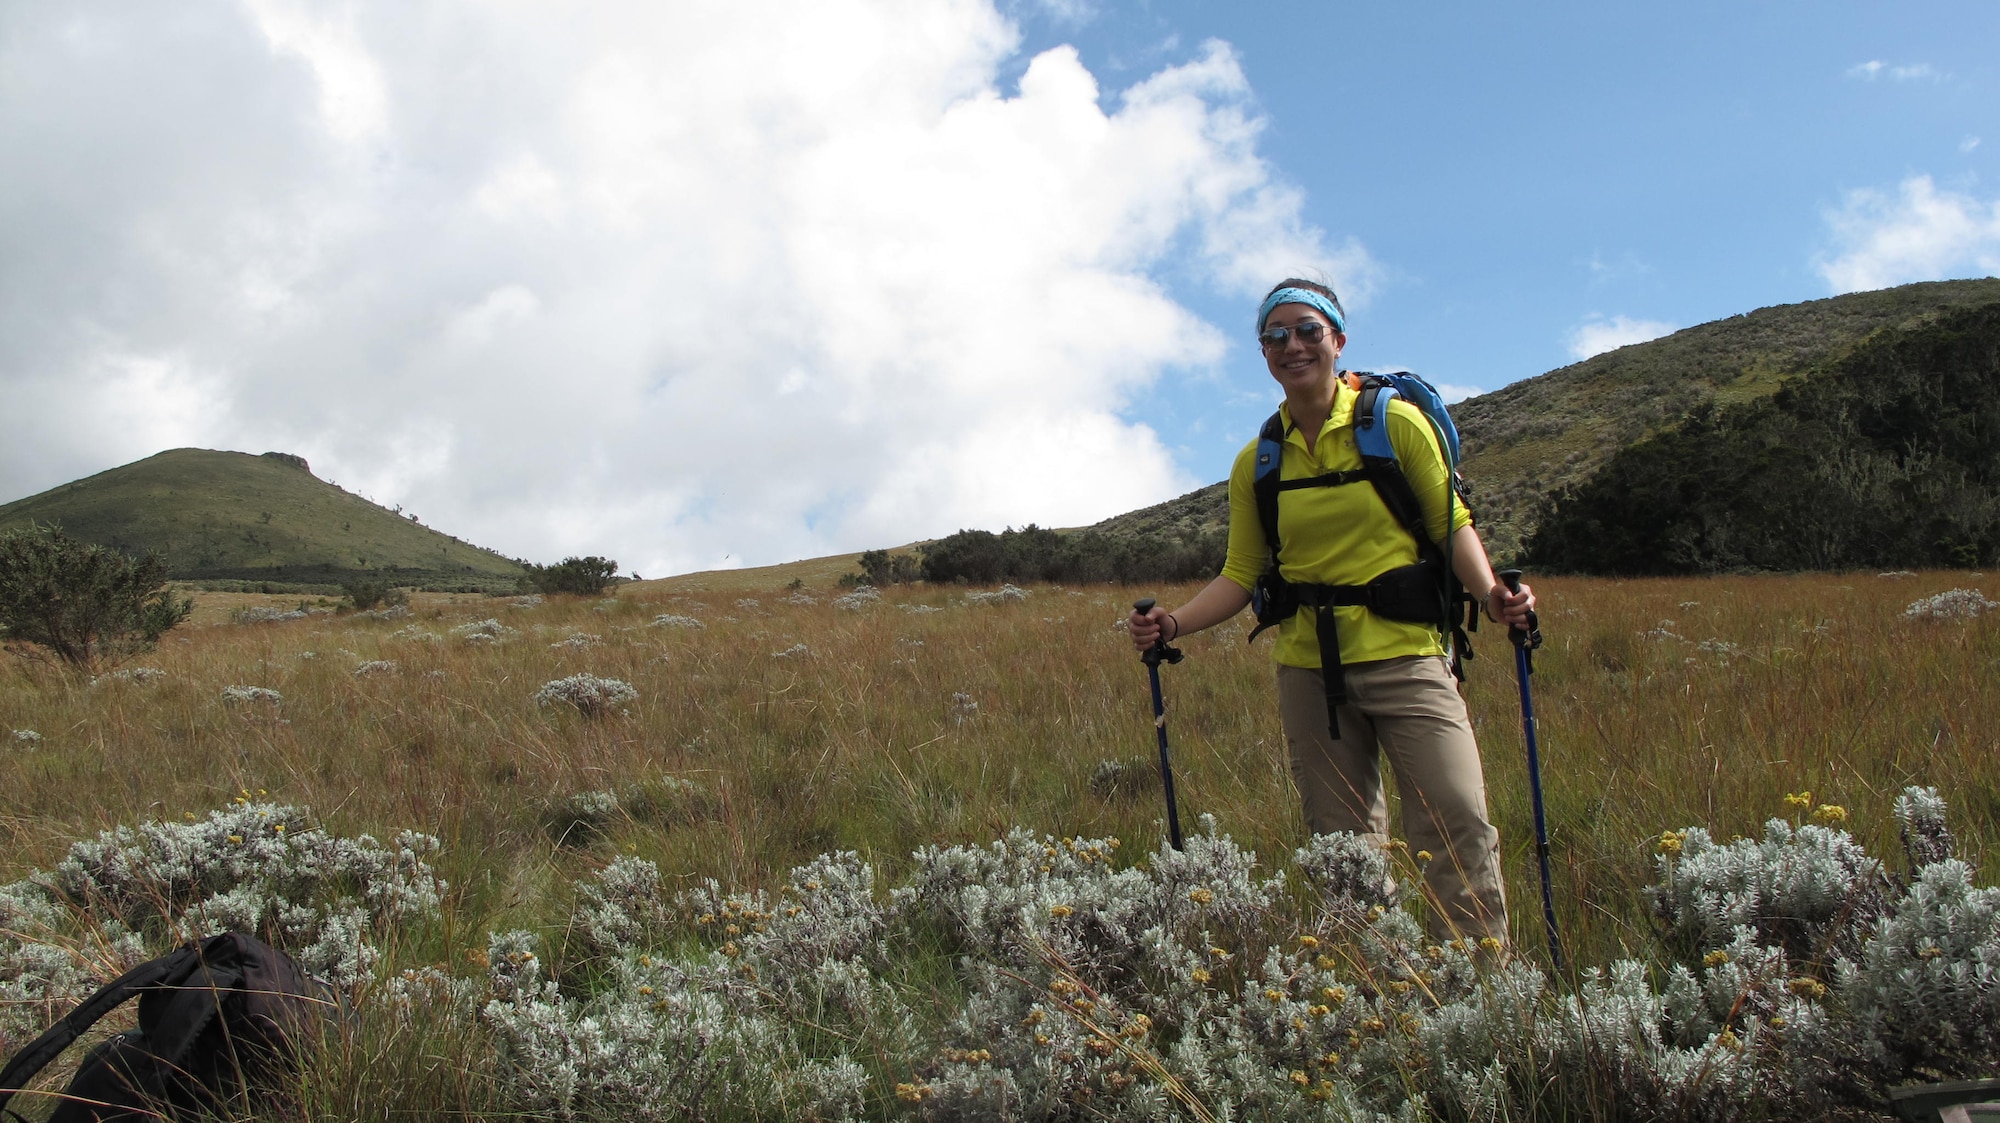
column 1887, row 457
column 222, row 516
column 1544, row 436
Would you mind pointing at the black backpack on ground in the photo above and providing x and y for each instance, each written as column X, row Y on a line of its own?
column 216, row 1017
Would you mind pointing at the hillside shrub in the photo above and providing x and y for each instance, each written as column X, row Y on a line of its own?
column 373, row 592
column 81, row 602
column 1887, row 458
column 583, row 577
column 1033, row 553
column 881, row 569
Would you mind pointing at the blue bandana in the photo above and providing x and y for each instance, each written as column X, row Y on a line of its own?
column 1301, row 296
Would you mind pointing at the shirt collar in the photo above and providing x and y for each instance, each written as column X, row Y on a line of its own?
column 1341, row 417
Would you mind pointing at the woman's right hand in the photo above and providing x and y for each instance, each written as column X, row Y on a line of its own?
column 1146, row 629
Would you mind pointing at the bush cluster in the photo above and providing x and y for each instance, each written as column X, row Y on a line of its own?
column 373, row 592
column 1033, row 553
column 81, row 602
column 1044, row 978
column 583, row 577
column 1883, row 459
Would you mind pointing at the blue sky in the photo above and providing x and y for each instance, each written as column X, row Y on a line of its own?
column 667, row 284
column 1518, row 172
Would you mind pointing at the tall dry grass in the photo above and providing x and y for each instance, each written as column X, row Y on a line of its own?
column 1662, row 703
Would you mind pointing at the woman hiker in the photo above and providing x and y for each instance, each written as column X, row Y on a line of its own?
column 1393, row 691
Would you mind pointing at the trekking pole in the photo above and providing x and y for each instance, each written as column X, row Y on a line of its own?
column 1525, row 641
column 1153, row 657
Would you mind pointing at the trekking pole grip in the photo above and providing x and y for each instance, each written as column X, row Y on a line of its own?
column 1159, row 652
column 1530, row 636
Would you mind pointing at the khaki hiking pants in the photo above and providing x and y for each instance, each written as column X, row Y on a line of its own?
column 1410, row 710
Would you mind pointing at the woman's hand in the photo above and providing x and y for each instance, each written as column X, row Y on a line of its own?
column 1151, row 627
column 1511, row 609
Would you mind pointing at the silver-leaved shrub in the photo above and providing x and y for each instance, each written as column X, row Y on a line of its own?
column 1045, row 978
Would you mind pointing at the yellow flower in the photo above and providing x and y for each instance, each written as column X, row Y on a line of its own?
column 1308, row 941
column 1728, row 1039
column 1715, row 958
column 1326, row 963
column 1829, row 814
column 1931, row 952
column 1806, row 987
column 1199, row 974
column 1334, row 995
column 1035, row 1017
column 645, row 990
column 1300, row 1078
column 236, row 838
column 912, row 1093
column 731, row 950
column 1670, row 842
column 1139, row 1026
column 1489, row 943
column 1202, row 897
column 1316, row 1011
column 280, row 828
column 1219, row 953
column 1800, row 800
column 1330, row 1059
column 1060, row 911
column 1273, row 995
column 1400, row 987
column 1423, row 855
column 188, row 815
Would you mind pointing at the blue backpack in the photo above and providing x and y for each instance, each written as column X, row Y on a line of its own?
column 1426, row 592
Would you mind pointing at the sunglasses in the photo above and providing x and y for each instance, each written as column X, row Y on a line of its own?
column 1309, row 333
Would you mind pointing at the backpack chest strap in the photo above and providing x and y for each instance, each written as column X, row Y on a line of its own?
column 1329, row 479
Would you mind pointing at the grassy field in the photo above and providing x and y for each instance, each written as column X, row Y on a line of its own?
column 926, row 718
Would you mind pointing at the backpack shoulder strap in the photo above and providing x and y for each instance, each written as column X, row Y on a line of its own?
column 1270, row 456
column 1378, row 455
column 38, row 1053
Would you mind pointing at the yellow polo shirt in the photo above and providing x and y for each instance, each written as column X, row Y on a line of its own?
column 1342, row 535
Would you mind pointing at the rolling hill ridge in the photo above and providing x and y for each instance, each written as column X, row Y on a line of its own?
column 233, row 516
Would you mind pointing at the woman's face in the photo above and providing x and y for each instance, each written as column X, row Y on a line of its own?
column 1297, row 364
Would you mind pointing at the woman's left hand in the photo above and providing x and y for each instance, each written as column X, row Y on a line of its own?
column 1511, row 609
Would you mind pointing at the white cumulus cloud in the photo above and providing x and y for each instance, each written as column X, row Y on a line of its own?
column 1599, row 334
column 660, row 282
column 1915, row 233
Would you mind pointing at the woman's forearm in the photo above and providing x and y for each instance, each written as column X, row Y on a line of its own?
column 1470, row 563
column 1218, row 601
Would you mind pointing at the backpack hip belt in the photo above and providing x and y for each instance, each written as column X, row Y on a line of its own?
column 1411, row 593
